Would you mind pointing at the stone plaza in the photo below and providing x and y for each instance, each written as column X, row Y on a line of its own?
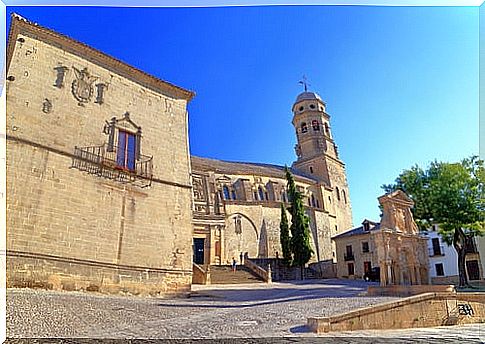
column 240, row 311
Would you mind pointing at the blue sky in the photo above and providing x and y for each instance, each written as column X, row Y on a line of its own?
column 401, row 83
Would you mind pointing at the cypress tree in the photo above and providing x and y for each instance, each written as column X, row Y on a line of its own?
column 285, row 237
column 300, row 231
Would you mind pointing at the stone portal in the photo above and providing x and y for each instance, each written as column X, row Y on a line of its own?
column 401, row 251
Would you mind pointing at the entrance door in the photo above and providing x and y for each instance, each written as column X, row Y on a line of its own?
column 473, row 270
column 199, row 250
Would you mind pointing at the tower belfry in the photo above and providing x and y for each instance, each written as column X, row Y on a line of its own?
column 317, row 153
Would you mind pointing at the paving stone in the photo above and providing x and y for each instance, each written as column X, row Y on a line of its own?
column 263, row 313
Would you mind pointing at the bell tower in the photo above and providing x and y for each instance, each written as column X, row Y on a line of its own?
column 318, row 157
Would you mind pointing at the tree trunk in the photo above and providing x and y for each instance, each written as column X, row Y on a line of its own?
column 459, row 240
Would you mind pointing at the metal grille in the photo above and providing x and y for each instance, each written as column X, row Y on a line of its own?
column 101, row 161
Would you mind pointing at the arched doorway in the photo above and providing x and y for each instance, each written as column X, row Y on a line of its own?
column 241, row 235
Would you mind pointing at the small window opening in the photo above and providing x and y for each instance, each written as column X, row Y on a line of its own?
column 304, row 128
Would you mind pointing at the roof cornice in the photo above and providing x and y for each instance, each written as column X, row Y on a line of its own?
column 20, row 25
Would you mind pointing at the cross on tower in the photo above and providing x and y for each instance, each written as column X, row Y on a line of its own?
column 305, row 83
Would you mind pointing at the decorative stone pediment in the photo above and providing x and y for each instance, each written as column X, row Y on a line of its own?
column 397, row 213
column 125, row 123
column 223, row 179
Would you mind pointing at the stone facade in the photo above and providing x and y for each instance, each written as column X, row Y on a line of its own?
column 237, row 205
column 99, row 191
column 394, row 246
column 102, row 193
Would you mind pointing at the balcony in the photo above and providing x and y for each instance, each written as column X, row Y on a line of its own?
column 349, row 257
column 436, row 251
column 100, row 161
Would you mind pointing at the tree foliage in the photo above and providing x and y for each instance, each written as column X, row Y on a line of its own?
column 300, row 231
column 285, row 237
column 451, row 195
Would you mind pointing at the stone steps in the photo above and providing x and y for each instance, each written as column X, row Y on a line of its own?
column 223, row 274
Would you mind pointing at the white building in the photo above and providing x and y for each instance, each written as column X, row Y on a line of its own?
column 443, row 260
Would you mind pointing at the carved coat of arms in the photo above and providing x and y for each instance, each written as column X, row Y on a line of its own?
column 82, row 87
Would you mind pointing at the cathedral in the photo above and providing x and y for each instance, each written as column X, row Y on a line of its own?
column 103, row 194
column 237, row 204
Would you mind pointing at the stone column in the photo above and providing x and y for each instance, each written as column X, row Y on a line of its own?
column 222, row 243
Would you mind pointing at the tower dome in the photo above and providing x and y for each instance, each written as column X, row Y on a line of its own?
column 308, row 96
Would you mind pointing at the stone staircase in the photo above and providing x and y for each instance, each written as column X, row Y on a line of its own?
column 222, row 274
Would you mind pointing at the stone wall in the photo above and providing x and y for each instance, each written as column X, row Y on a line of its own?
column 425, row 310
column 360, row 257
column 67, row 229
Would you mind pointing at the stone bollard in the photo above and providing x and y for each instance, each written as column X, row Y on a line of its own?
column 208, row 275
column 269, row 277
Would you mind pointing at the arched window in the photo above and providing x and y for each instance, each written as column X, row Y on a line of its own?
column 315, row 125
column 338, row 193
column 225, row 190
column 344, row 196
column 233, row 194
column 304, row 128
column 314, row 204
column 327, row 129
column 261, row 194
column 311, row 169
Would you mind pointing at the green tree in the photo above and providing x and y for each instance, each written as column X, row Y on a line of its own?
column 285, row 237
column 300, row 231
column 451, row 195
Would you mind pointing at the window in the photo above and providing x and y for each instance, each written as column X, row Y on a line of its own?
column 266, row 196
column 304, row 128
column 327, row 129
column 349, row 255
column 350, row 268
column 338, row 193
column 367, row 267
column 318, row 204
column 311, row 169
column 225, row 190
column 439, row 269
column 436, row 247
column 255, row 195
column 365, row 247
column 283, row 196
column 261, row 194
column 301, row 108
column 309, row 202
column 314, row 204
column 336, row 228
column 125, row 157
column 315, row 125
column 312, row 106
column 344, row 196
column 233, row 194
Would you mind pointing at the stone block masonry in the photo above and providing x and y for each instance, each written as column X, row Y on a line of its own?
column 68, row 229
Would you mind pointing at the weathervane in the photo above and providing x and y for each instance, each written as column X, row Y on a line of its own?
column 305, row 83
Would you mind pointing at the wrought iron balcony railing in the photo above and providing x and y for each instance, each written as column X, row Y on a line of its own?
column 436, row 251
column 348, row 257
column 106, row 163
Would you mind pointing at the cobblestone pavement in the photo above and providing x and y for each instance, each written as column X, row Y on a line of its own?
column 223, row 311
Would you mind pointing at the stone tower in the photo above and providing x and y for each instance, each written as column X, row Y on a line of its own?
column 318, row 156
